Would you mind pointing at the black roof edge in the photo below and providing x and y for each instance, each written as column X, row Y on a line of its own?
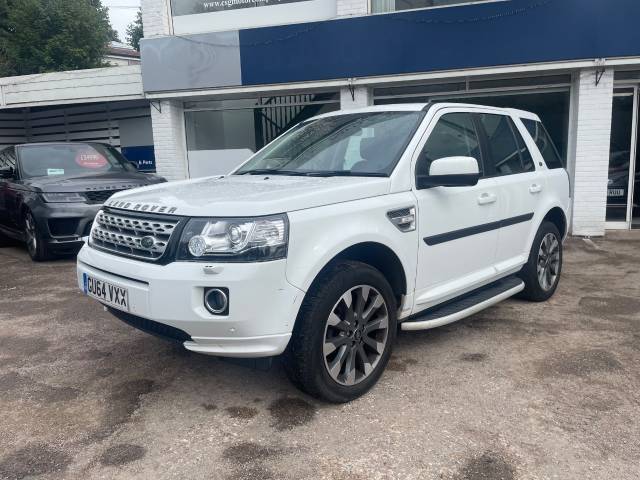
column 430, row 104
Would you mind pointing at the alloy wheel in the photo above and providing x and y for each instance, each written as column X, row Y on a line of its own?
column 32, row 237
column 548, row 264
column 356, row 335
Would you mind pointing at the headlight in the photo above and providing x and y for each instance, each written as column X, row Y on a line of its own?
column 235, row 239
column 63, row 197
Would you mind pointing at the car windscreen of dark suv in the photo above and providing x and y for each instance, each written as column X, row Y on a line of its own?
column 71, row 160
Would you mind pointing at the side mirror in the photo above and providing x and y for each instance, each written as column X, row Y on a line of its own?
column 450, row 172
column 7, row 172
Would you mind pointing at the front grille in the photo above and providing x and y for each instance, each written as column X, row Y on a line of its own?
column 63, row 227
column 123, row 234
column 101, row 196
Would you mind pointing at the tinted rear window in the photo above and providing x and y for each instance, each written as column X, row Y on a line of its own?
column 503, row 149
column 544, row 143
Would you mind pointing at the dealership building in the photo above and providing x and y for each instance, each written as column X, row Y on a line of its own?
column 221, row 78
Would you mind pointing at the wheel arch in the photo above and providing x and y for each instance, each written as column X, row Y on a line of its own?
column 377, row 255
column 557, row 216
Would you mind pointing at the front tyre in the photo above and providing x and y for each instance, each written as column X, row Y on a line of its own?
column 35, row 245
column 344, row 333
column 541, row 273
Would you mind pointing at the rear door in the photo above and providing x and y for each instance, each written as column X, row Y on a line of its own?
column 457, row 250
column 519, row 185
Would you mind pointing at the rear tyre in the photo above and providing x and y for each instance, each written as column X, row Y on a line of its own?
column 541, row 273
column 36, row 247
column 344, row 333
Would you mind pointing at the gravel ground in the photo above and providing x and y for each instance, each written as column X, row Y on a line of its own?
column 519, row 391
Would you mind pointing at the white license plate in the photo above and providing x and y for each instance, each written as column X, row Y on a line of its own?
column 615, row 192
column 106, row 292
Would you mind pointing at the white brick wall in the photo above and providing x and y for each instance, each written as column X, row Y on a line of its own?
column 155, row 18
column 347, row 8
column 168, row 140
column 593, row 134
column 363, row 97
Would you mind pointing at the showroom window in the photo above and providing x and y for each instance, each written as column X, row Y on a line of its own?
column 623, row 182
column 385, row 6
column 221, row 134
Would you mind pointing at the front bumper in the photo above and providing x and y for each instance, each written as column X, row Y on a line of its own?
column 63, row 225
column 262, row 304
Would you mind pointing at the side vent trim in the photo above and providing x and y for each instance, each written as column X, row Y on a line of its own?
column 403, row 218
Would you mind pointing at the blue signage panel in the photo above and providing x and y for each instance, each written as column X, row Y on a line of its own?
column 142, row 156
column 488, row 34
column 468, row 36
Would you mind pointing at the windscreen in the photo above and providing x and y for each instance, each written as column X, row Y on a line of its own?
column 366, row 144
column 71, row 160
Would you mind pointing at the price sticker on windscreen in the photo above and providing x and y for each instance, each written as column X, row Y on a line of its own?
column 90, row 159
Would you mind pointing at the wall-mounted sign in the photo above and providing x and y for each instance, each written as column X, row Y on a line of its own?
column 142, row 156
column 191, row 7
column 199, row 16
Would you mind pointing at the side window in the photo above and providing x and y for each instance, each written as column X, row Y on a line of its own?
column 8, row 158
column 525, row 154
column 454, row 135
column 544, row 143
column 504, row 154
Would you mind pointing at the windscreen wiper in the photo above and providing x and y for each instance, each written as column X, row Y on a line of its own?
column 313, row 173
column 271, row 171
column 344, row 173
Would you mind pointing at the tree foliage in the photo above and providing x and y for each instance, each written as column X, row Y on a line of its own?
column 134, row 31
column 5, row 7
column 38, row 36
column 113, row 35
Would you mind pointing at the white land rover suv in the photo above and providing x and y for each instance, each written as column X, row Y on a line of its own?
column 347, row 227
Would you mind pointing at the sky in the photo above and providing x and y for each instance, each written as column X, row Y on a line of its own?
column 121, row 17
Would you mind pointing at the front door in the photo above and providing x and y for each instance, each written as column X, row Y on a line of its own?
column 457, row 251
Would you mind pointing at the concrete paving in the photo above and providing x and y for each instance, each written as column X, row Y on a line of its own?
column 519, row 391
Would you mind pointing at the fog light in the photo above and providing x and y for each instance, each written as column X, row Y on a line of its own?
column 216, row 300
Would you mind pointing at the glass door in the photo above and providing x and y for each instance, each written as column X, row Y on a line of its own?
column 635, row 171
column 622, row 154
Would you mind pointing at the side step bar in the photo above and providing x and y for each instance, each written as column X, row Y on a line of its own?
column 465, row 305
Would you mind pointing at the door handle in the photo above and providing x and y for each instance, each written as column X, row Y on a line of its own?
column 535, row 188
column 486, row 198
